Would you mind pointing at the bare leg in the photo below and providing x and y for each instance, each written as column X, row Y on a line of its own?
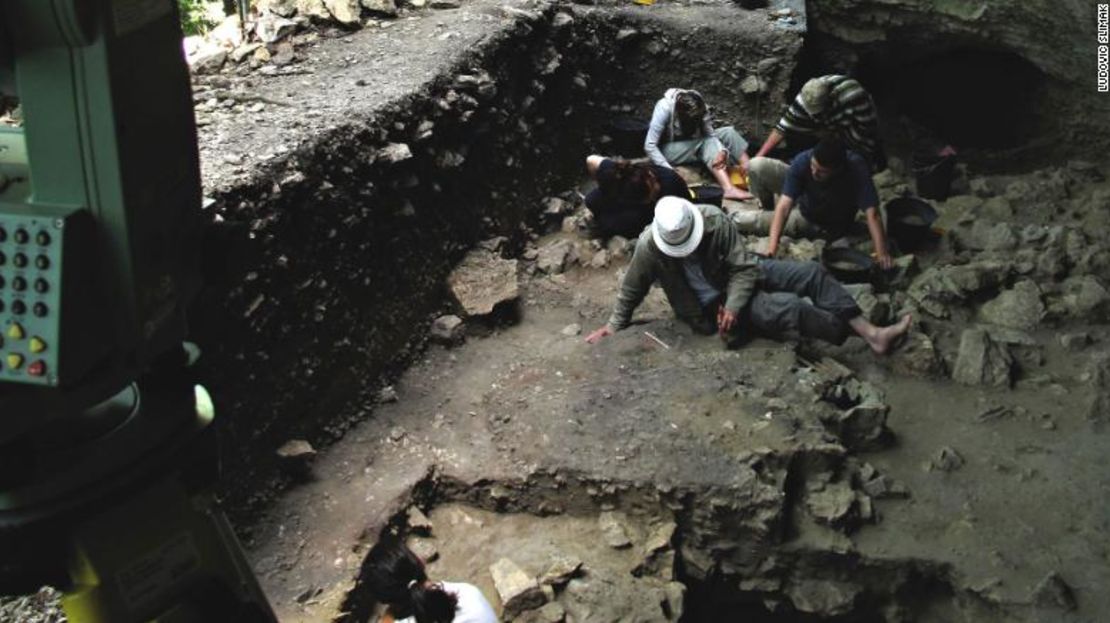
column 880, row 338
column 731, row 192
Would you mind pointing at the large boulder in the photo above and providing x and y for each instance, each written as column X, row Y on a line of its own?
column 1017, row 308
column 982, row 361
column 939, row 287
column 1081, row 298
column 483, row 281
column 344, row 11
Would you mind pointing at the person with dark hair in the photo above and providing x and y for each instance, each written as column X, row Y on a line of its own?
column 830, row 184
column 626, row 193
column 714, row 285
column 396, row 577
column 833, row 105
column 681, row 132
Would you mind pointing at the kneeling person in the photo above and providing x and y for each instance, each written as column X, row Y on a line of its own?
column 624, row 200
column 714, row 284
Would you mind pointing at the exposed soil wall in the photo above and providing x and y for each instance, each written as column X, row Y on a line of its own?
column 352, row 233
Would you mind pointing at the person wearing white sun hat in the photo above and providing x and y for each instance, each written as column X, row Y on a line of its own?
column 714, row 284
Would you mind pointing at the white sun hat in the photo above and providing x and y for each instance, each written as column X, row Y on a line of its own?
column 678, row 226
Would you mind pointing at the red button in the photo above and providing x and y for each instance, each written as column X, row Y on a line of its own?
column 37, row 368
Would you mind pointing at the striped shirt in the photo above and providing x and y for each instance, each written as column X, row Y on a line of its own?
column 850, row 114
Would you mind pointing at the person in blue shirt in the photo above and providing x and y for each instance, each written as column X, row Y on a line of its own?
column 829, row 184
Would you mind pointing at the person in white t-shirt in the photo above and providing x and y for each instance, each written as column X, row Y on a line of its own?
column 397, row 578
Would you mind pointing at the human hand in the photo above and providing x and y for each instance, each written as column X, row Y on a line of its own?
column 721, row 160
column 885, row 261
column 596, row 336
column 726, row 320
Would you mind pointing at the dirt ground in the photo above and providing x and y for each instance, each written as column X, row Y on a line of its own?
column 519, row 408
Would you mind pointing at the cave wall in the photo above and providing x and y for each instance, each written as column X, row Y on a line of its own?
column 1057, row 37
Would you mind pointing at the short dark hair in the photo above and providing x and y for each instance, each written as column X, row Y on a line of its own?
column 830, row 152
column 627, row 181
column 396, row 577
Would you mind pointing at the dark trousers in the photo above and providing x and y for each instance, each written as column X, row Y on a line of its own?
column 778, row 307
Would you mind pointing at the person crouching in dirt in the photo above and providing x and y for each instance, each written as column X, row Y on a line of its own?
column 396, row 577
column 681, row 132
column 837, row 106
column 626, row 193
column 714, row 285
column 830, row 184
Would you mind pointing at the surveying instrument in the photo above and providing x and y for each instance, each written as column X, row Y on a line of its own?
column 107, row 453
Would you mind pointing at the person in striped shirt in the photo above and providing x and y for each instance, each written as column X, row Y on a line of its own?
column 832, row 105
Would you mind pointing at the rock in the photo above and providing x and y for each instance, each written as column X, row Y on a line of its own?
column 555, row 208
column 208, row 61
column 826, row 598
column 518, row 591
column 313, row 8
column 344, row 11
column 561, row 570
column 1053, row 591
column 613, row 529
column 1098, row 406
column 620, row 247
column 1081, row 298
column 1017, row 308
column 660, row 537
column 1075, row 341
column 284, row 54
column 387, row 394
column 674, row 603
column 445, row 4
column 917, row 356
column 425, row 549
column 418, row 522
column 387, row 8
column 938, row 287
column 572, row 330
column 753, row 85
column 833, row 506
column 946, row 460
column 268, row 9
column 981, row 361
column 296, row 450
column 600, row 259
column 272, row 28
column 448, row 330
column 863, row 426
column 483, row 281
column 553, row 257
column 240, row 53
column 393, row 153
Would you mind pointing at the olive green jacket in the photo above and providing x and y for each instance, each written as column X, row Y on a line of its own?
column 725, row 262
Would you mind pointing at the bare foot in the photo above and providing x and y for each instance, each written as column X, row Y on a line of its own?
column 881, row 338
column 737, row 194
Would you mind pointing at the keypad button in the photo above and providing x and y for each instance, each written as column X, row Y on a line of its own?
column 19, row 260
column 19, row 284
column 42, row 238
column 3, row 235
column 21, row 236
column 42, row 262
column 19, row 308
column 41, row 309
column 3, row 259
column 41, row 286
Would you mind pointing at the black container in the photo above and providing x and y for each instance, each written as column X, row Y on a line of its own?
column 628, row 136
column 708, row 195
column 848, row 265
column 909, row 221
column 934, row 175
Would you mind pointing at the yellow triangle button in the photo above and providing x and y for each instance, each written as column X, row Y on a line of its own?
column 15, row 361
column 15, row 331
column 37, row 345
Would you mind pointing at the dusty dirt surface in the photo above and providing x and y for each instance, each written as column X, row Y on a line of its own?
column 990, row 507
